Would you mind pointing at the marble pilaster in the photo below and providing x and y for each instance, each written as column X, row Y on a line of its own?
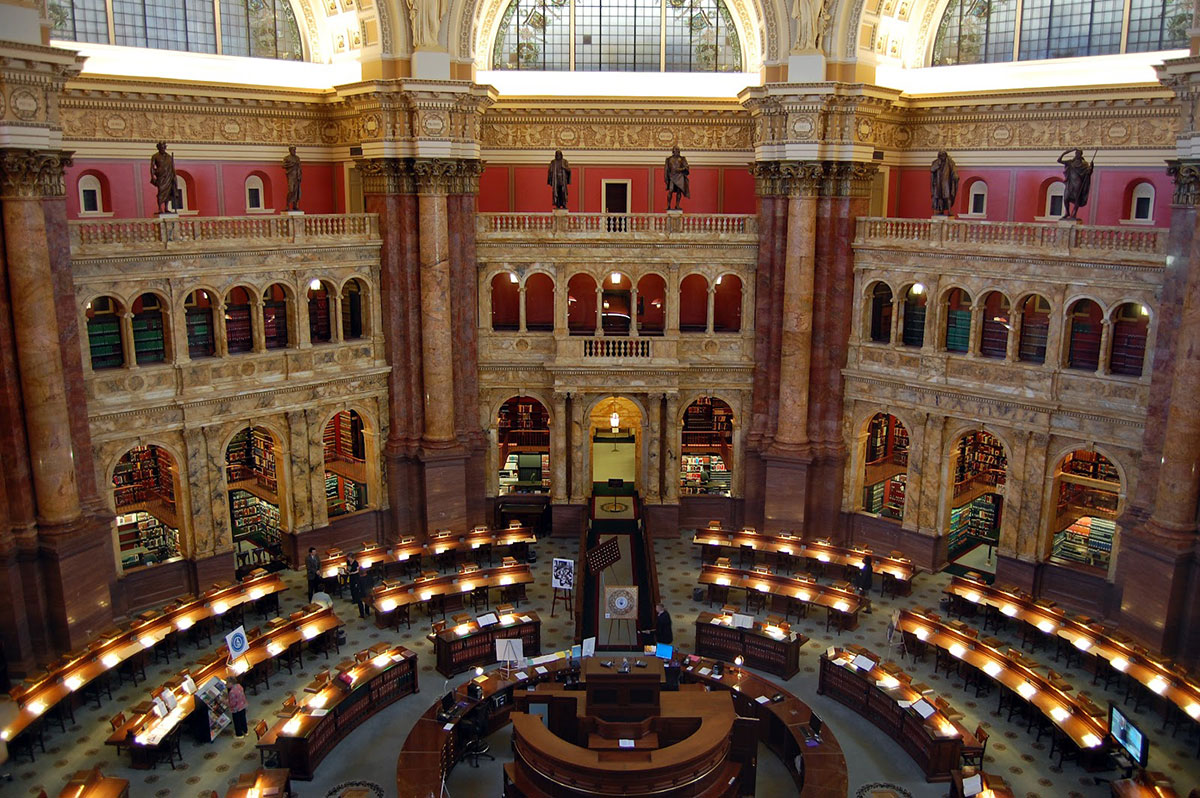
column 671, row 452
column 437, row 349
column 559, row 489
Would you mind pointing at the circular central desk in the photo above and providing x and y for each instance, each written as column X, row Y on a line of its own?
column 700, row 740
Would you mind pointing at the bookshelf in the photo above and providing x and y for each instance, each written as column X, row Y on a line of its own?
column 238, row 334
column 1074, row 498
column 913, row 333
column 1128, row 348
column 343, row 495
column 144, row 539
column 1034, row 333
column 318, row 317
column 104, row 341
column 873, row 496
column 893, row 502
column 958, row 330
column 200, row 335
column 977, row 521
column 1085, row 346
column 693, row 470
column 262, row 457
column 145, row 473
column 1087, row 541
column 993, row 339
column 980, row 454
column 457, row 653
column 275, row 329
column 149, row 344
column 1092, row 465
column 776, row 655
column 253, row 518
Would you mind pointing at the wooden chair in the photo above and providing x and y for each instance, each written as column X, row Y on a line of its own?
column 169, row 749
column 973, row 755
column 116, row 722
column 944, row 707
column 260, row 730
column 755, row 601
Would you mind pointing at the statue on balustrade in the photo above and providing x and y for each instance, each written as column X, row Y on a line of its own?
column 1077, row 180
column 558, row 177
column 162, row 177
column 675, row 173
column 291, row 168
column 943, row 184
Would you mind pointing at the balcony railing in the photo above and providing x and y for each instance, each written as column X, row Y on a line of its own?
column 616, row 347
column 1136, row 243
column 641, row 225
column 103, row 236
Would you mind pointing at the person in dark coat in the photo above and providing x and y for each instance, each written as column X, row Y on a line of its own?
column 357, row 588
column 662, row 625
column 312, row 569
column 863, row 582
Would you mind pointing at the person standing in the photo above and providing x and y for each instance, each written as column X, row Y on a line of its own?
column 662, row 625
column 162, row 177
column 558, row 177
column 312, row 565
column 237, row 705
column 357, row 588
column 864, row 581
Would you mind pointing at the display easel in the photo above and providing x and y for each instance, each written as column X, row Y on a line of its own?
column 624, row 623
column 510, row 652
column 567, row 597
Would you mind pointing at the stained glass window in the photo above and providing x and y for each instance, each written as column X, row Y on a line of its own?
column 260, row 28
column 984, row 31
column 618, row 36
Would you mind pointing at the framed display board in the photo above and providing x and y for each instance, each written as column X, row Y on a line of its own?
column 620, row 602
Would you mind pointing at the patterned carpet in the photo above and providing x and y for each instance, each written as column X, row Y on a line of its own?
column 368, row 756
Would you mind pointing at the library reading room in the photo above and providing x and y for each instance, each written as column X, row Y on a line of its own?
column 388, row 409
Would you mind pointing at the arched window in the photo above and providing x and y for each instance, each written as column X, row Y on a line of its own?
column 615, row 300
column 693, row 304
column 320, row 328
column 727, row 303
column 978, row 466
column 523, row 438
column 91, row 196
column 256, row 195
column 977, row 196
column 881, row 314
column 581, row 305
column 630, row 36
column 1086, row 326
column 997, row 321
column 275, row 317
column 354, row 314
column 239, row 335
column 1088, row 489
column 345, row 464
column 145, row 485
column 706, row 451
column 506, row 302
column 1131, row 322
column 913, row 333
column 149, row 338
column 958, row 320
column 886, row 463
column 652, row 305
column 1053, row 206
column 979, row 31
column 1141, row 203
column 539, row 303
column 104, row 333
column 258, row 28
column 198, row 316
column 1035, row 329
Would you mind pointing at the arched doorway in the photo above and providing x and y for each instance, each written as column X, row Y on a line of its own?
column 706, row 448
column 1087, row 491
column 978, row 468
column 252, row 471
column 523, row 435
column 615, row 424
column 346, row 477
column 886, row 467
column 145, row 483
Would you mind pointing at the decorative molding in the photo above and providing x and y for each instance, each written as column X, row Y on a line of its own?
column 32, row 174
column 616, row 127
column 420, row 175
column 386, row 176
column 848, row 179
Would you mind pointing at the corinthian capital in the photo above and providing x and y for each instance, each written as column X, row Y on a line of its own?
column 1186, row 175
column 32, row 173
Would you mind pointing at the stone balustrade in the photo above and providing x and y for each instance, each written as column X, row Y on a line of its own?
column 643, row 226
column 108, row 236
column 1131, row 243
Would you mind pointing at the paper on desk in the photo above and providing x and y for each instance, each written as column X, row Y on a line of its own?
column 625, row 743
column 972, row 785
column 541, row 670
column 522, row 675
column 762, row 699
column 319, row 713
column 525, row 619
column 705, row 671
column 716, row 620
column 448, row 727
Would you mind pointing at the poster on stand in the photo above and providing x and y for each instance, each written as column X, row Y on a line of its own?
column 215, row 695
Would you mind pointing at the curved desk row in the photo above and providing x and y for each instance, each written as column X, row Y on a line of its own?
column 78, row 669
column 431, row 748
column 375, row 679
column 842, row 603
column 409, row 551
column 388, row 597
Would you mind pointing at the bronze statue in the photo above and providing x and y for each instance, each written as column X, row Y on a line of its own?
column 162, row 177
column 1077, row 179
column 675, row 173
column 558, row 177
column 943, row 184
column 291, row 168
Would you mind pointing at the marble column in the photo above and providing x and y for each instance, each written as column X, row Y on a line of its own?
column 1012, row 349
column 976, row 323
column 712, row 294
column 600, row 308
column 220, row 333
column 654, row 429
column 671, row 453
column 1102, row 366
column 521, row 309
column 258, row 332
column 437, row 347
column 559, row 490
column 128, row 351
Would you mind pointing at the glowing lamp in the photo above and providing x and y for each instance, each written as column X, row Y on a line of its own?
column 426, row 595
column 1090, row 741
column 5, row 735
column 110, row 660
column 507, row 619
column 861, row 566
column 957, row 649
column 73, row 683
column 1045, row 626
column 714, row 542
column 918, row 289
column 478, row 670
column 36, row 707
column 365, row 565
column 723, row 580
column 763, row 587
column 240, row 666
column 616, row 278
column 402, row 558
column 315, row 284
column 147, row 641
column 783, row 549
column 317, row 700
column 439, row 550
column 330, row 573
column 184, row 623
column 614, row 420
column 1026, row 690
column 972, row 596
column 823, row 557
column 1158, row 684
column 292, row 726
column 992, row 669
column 1059, row 714
column 1009, row 610
column 219, row 607
column 388, row 604
column 1193, row 710
column 309, row 632
column 803, row 595
column 475, row 545
column 1082, row 643
column 512, row 278
column 841, row 606
column 381, row 660
column 274, row 648
column 1120, row 663
column 256, row 593
column 922, row 633
column 947, row 729
column 890, row 682
column 506, row 580
column 467, row 586
column 462, row 629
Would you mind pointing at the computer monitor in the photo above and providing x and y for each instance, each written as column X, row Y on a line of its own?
column 448, row 701
column 664, row 651
column 1127, row 736
column 814, row 723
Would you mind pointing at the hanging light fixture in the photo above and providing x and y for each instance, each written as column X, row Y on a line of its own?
column 614, row 418
column 315, row 285
column 616, row 278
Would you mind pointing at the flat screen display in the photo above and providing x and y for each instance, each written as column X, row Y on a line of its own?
column 664, row 651
column 1128, row 736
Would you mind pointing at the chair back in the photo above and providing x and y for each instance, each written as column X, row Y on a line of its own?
column 981, row 735
column 117, row 721
column 260, row 729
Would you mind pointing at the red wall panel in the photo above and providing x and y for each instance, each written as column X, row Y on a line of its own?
column 493, row 190
column 739, row 191
column 531, row 192
column 703, row 183
column 593, row 181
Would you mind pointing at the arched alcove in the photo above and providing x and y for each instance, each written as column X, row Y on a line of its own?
column 885, row 460
column 105, row 336
column 539, row 302
column 1087, row 493
column 145, row 485
column 252, row 473
column 978, row 471
column 706, row 448
column 347, row 477
column 523, row 437
column 506, row 302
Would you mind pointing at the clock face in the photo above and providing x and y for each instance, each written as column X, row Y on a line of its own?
column 621, row 602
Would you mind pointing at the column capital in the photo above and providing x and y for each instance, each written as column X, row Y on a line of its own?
column 386, row 176
column 804, row 178
column 849, row 179
column 32, row 174
column 1186, row 176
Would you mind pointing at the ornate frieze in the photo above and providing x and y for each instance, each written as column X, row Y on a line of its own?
column 32, row 173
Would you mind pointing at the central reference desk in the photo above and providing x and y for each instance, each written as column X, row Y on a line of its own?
column 763, row 646
column 462, row 647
